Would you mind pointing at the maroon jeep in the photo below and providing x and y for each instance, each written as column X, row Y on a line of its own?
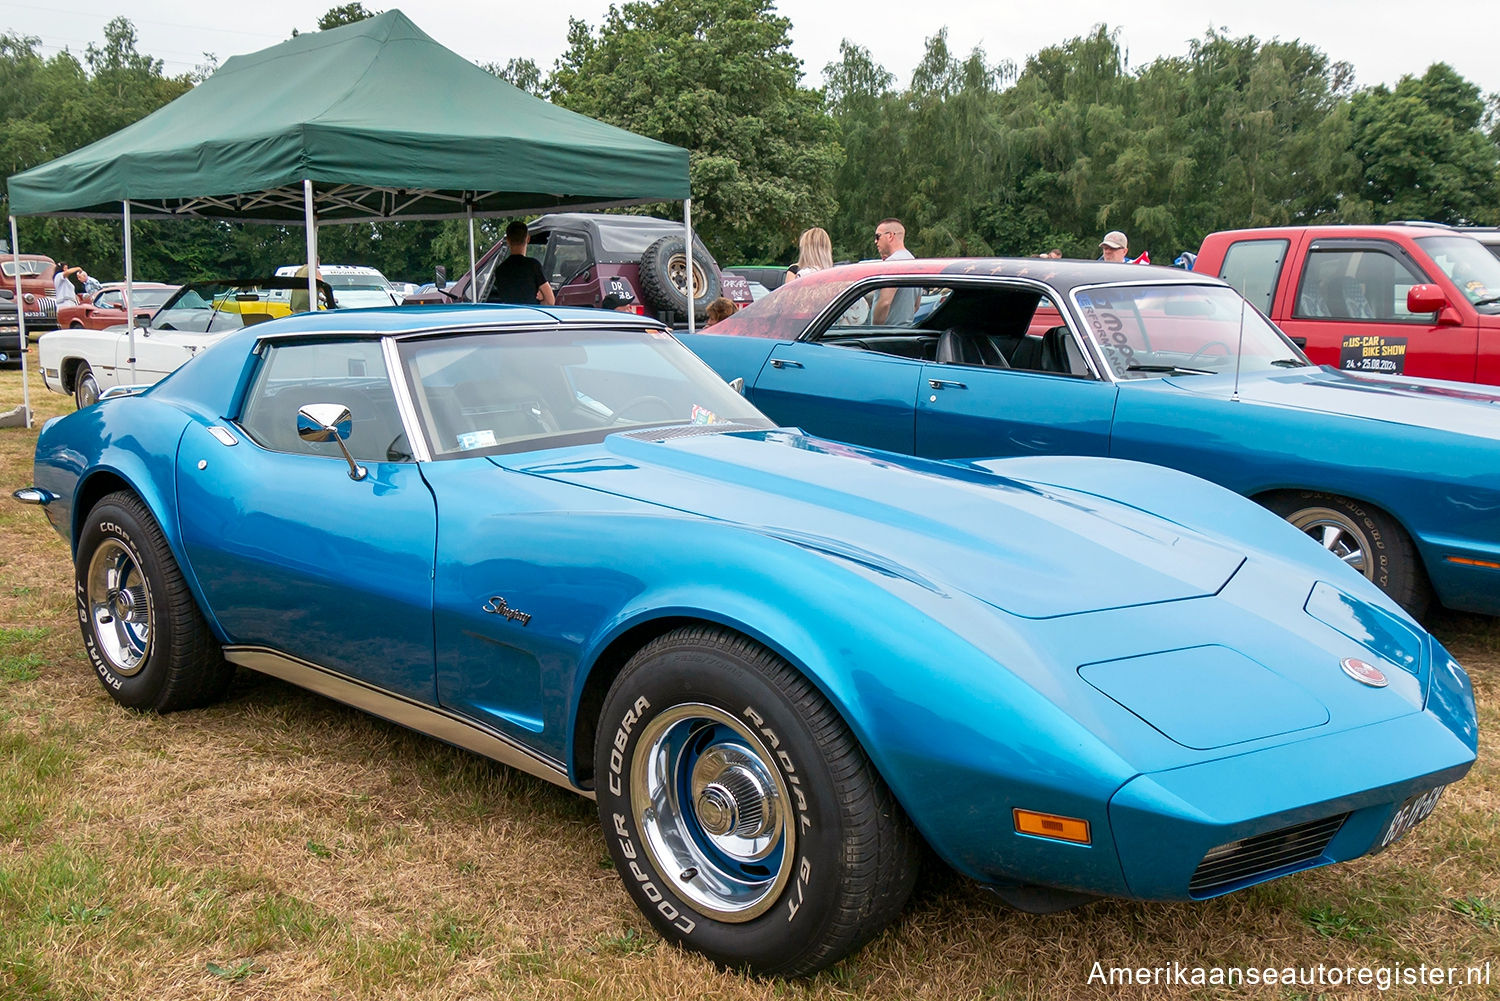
column 587, row 256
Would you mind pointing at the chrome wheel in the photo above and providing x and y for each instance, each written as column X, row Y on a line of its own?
column 713, row 811
column 86, row 389
column 119, row 607
column 1335, row 532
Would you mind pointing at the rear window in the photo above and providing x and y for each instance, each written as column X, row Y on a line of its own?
column 1253, row 267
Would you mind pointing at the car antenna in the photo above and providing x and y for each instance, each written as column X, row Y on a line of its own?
column 1239, row 353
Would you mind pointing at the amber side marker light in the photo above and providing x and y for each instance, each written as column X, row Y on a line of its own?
column 1050, row 825
column 1491, row 564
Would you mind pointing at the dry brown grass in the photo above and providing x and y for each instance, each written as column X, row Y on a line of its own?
column 281, row 846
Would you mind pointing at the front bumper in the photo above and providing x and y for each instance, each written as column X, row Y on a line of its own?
column 1166, row 822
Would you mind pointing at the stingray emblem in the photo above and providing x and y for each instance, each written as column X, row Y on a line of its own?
column 1362, row 672
column 497, row 606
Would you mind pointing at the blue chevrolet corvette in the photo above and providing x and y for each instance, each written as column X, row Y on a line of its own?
column 1398, row 477
column 779, row 664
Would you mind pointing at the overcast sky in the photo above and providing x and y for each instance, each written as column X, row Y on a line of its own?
column 1382, row 40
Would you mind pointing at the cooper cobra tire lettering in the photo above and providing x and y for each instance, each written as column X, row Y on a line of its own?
column 688, row 709
column 142, row 630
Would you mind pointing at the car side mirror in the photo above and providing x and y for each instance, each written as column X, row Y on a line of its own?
column 1425, row 299
column 319, row 422
column 440, row 277
column 144, row 319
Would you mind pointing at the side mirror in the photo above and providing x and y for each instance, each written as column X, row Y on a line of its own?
column 1425, row 299
column 440, row 277
column 319, row 422
column 144, row 319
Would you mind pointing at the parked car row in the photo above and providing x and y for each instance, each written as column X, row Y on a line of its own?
column 782, row 664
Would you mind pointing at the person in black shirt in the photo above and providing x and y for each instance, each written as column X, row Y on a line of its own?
column 519, row 278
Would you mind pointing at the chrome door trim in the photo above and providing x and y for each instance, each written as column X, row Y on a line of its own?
column 433, row 721
column 405, row 405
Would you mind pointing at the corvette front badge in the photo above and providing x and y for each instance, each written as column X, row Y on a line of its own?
column 1362, row 672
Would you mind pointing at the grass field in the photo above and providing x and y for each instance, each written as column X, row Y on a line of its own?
column 281, row 846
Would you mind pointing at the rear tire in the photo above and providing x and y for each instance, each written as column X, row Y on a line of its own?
column 85, row 387
column 1365, row 538
column 742, row 815
column 142, row 631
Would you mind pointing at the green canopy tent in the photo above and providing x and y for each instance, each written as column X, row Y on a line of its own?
column 370, row 122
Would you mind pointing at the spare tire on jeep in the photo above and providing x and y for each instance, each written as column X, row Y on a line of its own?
column 664, row 277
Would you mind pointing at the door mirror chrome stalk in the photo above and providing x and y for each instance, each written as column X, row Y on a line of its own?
column 318, row 422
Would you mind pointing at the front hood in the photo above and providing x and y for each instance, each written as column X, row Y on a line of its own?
column 1032, row 550
column 1426, row 403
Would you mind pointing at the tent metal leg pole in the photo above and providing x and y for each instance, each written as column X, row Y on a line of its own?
column 310, row 221
column 129, row 286
column 473, row 277
column 15, row 250
column 692, row 287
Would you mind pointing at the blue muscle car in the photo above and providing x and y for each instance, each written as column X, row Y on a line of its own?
column 1399, row 477
column 780, row 664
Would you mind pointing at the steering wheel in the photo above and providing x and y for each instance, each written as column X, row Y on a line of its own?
column 1211, row 344
column 621, row 413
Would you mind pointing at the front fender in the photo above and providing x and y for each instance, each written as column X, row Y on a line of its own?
column 959, row 738
column 128, row 443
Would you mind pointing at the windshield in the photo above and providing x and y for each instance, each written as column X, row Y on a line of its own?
column 29, row 269
column 512, row 392
column 144, row 298
column 1468, row 265
column 1146, row 331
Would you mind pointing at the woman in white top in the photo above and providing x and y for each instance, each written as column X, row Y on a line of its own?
column 815, row 252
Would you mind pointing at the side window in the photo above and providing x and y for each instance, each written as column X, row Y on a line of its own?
column 567, row 254
column 537, row 248
column 110, row 300
column 351, row 373
column 1357, row 284
column 1253, row 267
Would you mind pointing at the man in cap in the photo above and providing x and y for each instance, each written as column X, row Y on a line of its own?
column 620, row 300
column 1113, row 247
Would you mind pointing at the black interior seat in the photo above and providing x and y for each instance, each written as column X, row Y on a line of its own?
column 1028, row 354
column 1059, row 353
column 957, row 346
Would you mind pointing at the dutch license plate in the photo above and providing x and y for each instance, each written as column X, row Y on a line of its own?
column 1413, row 810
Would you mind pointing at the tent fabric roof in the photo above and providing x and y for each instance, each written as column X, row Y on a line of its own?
column 385, row 122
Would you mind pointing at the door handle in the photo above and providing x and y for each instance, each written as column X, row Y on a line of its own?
column 945, row 384
column 783, row 363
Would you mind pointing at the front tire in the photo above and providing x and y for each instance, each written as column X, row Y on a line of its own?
column 142, row 630
column 1365, row 538
column 744, row 818
column 85, row 387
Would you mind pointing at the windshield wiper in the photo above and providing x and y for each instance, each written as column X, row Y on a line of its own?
column 1289, row 363
column 1488, row 300
column 1169, row 368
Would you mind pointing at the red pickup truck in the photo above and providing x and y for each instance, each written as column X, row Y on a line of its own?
column 1397, row 299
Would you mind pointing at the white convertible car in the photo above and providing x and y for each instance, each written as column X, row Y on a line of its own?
column 85, row 363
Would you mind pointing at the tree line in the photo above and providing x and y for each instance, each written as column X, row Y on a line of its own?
column 975, row 157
